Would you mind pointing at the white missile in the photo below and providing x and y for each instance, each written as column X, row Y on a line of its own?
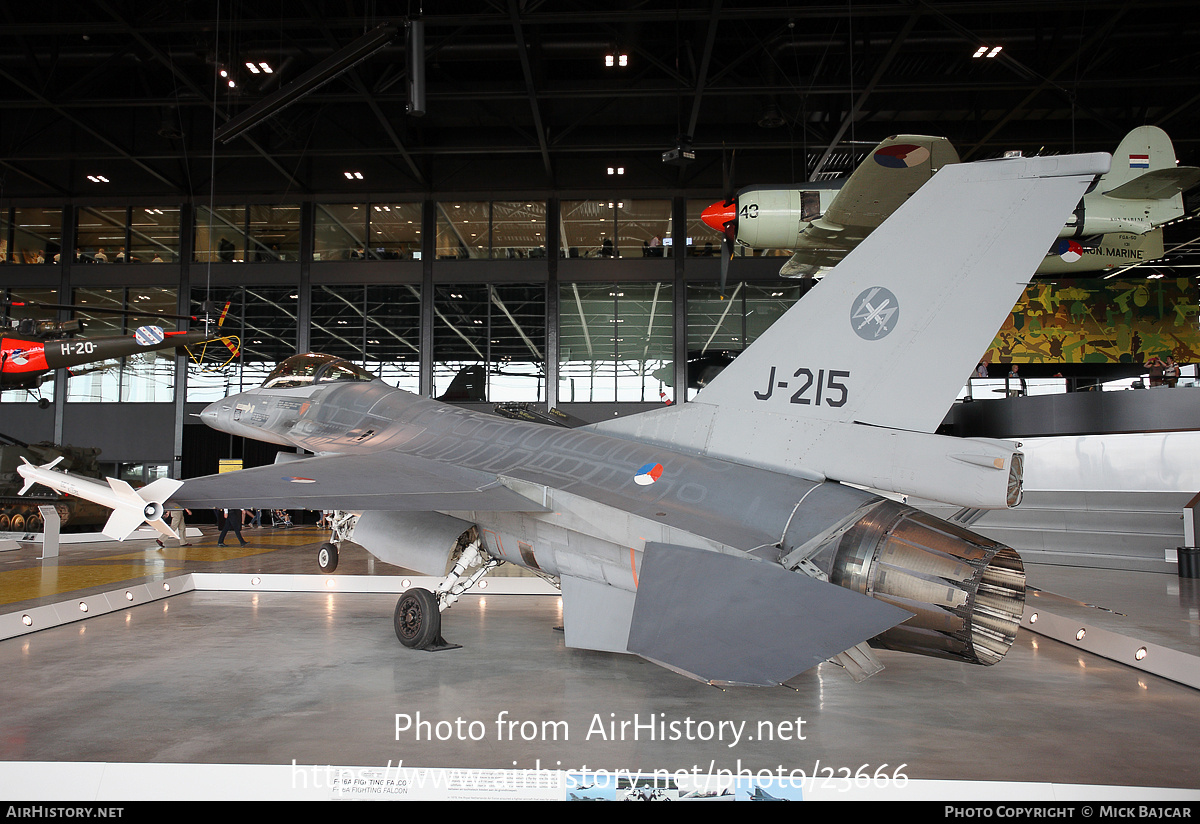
column 131, row 507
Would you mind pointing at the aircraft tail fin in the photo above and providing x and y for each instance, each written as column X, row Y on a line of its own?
column 908, row 313
column 1144, row 168
column 469, row 385
column 1145, row 149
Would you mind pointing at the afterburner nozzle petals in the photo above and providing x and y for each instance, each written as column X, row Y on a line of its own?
column 719, row 214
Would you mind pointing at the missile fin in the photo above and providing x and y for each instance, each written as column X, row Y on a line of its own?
column 122, row 522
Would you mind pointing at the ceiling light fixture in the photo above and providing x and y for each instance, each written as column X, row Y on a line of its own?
column 334, row 65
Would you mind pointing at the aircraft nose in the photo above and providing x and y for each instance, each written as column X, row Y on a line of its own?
column 719, row 214
column 211, row 414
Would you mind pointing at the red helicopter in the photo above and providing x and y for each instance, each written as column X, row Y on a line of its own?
column 31, row 349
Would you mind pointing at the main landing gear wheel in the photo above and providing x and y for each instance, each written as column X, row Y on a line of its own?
column 327, row 557
column 417, row 620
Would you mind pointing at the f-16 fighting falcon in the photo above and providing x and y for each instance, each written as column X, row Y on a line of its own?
column 742, row 538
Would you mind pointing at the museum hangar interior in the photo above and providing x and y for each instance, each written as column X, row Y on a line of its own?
column 509, row 215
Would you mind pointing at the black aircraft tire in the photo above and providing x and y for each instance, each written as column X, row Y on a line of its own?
column 327, row 557
column 417, row 620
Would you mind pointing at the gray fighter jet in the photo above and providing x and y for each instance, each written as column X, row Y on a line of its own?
column 743, row 537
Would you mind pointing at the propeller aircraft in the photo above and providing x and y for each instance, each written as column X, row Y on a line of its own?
column 1116, row 223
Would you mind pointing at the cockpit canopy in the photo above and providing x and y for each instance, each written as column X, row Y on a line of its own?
column 305, row 370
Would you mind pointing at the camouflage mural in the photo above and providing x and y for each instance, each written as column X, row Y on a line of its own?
column 1101, row 321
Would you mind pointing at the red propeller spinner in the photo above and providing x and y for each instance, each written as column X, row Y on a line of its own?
column 721, row 216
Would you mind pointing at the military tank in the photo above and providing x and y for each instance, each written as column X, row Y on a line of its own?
column 19, row 513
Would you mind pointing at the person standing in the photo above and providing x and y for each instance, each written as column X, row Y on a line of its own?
column 1157, row 369
column 1171, row 372
column 232, row 523
column 1014, row 384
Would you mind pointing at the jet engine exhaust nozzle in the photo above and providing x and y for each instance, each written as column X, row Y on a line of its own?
column 967, row 591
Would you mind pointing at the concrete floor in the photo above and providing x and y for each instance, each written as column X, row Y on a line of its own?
column 316, row 678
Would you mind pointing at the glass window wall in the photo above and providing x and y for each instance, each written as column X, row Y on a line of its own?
column 221, row 234
column 377, row 327
column 367, row 231
column 588, row 228
column 153, row 235
column 148, row 377
column 620, row 228
column 395, row 231
column 260, row 322
column 616, row 342
column 518, row 230
column 100, row 234
column 237, row 234
column 31, row 235
column 644, row 228
column 503, row 230
column 489, row 342
column 273, row 232
column 463, row 230
column 340, row 231
column 721, row 326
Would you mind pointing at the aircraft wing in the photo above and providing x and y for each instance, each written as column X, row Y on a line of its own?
column 388, row 481
column 878, row 187
column 812, row 254
column 896, row 168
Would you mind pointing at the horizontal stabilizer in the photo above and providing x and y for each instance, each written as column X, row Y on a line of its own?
column 1159, row 184
column 738, row 620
